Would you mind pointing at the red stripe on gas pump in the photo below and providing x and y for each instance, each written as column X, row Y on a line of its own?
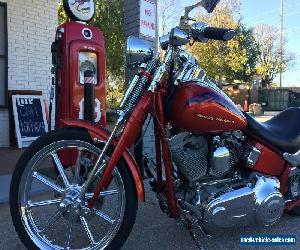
column 90, row 80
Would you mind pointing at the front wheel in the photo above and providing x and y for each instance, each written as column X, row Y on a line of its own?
column 45, row 207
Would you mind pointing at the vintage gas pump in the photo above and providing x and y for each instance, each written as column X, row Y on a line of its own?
column 78, row 56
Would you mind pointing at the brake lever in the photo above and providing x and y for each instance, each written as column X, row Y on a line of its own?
column 191, row 19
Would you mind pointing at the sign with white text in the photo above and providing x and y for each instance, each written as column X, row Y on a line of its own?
column 148, row 18
column 30, row 118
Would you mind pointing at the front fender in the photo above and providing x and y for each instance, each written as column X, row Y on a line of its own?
column 99, row 133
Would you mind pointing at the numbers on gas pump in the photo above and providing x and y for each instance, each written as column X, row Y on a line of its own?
column 97, row 110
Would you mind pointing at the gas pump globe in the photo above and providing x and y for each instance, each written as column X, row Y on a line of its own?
column 78, row 57
column 80, row 10
column 79, row 66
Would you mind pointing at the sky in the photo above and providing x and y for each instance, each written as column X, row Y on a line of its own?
column 268, row 12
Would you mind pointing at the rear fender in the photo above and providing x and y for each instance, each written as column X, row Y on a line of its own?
column 99, row 134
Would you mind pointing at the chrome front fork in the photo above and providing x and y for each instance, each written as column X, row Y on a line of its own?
column 100, row 163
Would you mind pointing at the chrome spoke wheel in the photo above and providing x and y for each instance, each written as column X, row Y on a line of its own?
column 54, row 214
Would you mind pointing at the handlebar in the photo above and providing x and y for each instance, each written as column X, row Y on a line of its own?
column 200, row 32
column 218, row 33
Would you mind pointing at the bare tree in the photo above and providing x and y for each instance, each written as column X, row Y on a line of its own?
column 269, row 61
column 168, row 12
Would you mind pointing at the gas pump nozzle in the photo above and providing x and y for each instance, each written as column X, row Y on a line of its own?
column 89, row 95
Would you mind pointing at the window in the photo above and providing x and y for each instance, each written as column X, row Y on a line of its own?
column 3, row 55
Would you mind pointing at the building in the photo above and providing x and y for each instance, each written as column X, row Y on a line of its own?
column 27, row 29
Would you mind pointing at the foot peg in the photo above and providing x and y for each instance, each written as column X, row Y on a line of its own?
column 293, row 159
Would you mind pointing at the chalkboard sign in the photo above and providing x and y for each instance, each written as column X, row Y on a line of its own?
column 30, row 118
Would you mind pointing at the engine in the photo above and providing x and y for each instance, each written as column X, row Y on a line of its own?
column 257, row 202
column 214, row 187
column 195, row 159
column 190, row 154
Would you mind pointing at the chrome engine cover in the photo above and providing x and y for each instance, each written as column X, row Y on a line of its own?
column 221, row 161
column 189, row 153
column 261, row 203
column 227, row 151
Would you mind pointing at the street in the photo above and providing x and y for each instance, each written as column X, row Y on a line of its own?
column 154, row 230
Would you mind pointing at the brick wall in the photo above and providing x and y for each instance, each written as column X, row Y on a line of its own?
column 31, row 30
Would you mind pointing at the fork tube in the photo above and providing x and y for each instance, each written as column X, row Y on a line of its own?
column 158, row 156
column 169, row 179
column 100, row 158
column 166, row 154
column 128, row 137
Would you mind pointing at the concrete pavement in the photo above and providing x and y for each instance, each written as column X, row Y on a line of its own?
column 154, row 230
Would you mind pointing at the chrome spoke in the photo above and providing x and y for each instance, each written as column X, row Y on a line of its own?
column 60, row 169
column 43, row 203
column 87, row 230
column 77, row 168
column 55, row 218
column 109, row 192
column 104, row 216
column 104, row 193
column 69, row 231
column 47, row 181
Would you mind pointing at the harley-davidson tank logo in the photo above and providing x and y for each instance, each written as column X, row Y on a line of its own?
column 211, row 118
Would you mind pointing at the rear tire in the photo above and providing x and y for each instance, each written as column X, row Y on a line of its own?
column 66, row 134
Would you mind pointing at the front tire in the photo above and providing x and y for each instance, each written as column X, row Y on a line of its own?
column 24, row 202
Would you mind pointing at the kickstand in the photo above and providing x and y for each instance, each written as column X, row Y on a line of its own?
column 195, row 237
column 197, row 242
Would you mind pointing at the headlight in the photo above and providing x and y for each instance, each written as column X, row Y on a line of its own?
column 138, row 51
column 88, row 61
column 164, row 41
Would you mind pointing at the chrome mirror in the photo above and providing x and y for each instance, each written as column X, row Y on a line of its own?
column 209, row 5
column 138, row 51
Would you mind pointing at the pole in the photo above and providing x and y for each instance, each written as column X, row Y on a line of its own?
column 281, row 42
column 89, row 95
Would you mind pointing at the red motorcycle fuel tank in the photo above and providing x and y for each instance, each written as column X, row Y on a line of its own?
column 201, row 108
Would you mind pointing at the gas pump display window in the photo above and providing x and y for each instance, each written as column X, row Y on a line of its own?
column 88, row 61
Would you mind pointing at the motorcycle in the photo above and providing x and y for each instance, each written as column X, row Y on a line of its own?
column 216, row 166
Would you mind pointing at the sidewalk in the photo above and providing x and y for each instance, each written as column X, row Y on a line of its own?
column 8, row 160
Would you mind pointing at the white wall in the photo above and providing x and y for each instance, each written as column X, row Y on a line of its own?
column 31, row 30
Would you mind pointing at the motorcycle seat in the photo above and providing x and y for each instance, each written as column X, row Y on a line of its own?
column 282, row 131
